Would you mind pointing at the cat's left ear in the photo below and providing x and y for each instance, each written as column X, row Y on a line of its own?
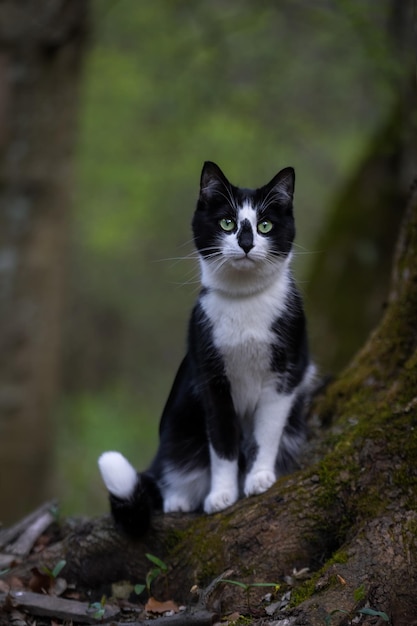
column 283, row 184
column 212, row 179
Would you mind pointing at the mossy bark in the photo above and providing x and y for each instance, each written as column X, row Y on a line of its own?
column 350, row 514
column 348, row 282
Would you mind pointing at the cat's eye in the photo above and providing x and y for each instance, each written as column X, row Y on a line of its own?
column 264, row 227
column 227, row 224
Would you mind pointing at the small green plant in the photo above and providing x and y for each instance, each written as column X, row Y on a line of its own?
column 159, row 568
column 248, row 586
column 97, row 609
column 55, row 511
column 381, row 614
column 54, row 573
column 328, row 618
column 364, row 611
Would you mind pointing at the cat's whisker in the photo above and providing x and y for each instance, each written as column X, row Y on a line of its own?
column 188, row 283
column 307, row 253
column 297, row 245
column 273, row 196
column 230, row 196
column 189, row 257
column 189, row 242
column 269, row 198
column 193, row 255
column 303, row 250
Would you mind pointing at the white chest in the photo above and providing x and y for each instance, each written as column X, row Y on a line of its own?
column 243, row 336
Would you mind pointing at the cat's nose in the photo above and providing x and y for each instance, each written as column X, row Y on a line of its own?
column 245, row 236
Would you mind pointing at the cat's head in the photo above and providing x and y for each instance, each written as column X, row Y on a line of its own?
column 243, row 236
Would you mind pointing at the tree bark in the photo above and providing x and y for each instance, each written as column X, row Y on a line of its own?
column 41, row 48
column 349, row 515
column 352, row 264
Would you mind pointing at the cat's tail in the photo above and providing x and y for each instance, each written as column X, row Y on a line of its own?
column 133, row 496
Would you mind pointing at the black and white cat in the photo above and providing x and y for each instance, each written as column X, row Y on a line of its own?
column 234, row 419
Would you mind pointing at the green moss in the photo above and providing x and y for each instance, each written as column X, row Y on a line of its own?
column 202, row 547
column 403, row 447
column 339, row 557
column 372, row 409
column 303, row 592
column 308, row 588
column 242, row 621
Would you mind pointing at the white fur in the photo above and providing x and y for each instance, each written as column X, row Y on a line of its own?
column 224, row 484
column 183, row 490
column 269, row 421
column 118, row 474
column 242, row 319
column 242, row 333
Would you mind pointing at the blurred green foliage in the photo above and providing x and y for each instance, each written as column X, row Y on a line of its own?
column 90, row 423
column 252, row 86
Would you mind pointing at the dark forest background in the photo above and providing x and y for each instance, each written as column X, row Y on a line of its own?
column 160, row 87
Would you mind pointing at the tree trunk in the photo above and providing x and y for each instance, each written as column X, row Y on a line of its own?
column 349, row 515
column 348, row 283
column 41, row 46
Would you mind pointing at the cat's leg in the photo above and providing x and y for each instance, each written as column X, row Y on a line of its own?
column 224, row 483
column 181, row 465
column 224, row 436
column 269, row 422
column 221, row 423
column 184, row 491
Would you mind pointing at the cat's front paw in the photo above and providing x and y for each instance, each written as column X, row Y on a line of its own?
column 218, row 500
column 258, row 482
column 177, row 504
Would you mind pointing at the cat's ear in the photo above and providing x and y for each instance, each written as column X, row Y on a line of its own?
column 283, row 184
column 212, row 179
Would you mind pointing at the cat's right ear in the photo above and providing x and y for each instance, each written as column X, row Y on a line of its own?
column 212, row 179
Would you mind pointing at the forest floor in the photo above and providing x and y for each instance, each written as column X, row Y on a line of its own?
column 33, row 594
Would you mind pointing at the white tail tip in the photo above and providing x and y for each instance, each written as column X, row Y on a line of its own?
column 119, row 476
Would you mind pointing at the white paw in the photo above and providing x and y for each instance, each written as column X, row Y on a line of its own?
column 177, row 504
column 258, row 482
column 219, row 500
column 118, row 474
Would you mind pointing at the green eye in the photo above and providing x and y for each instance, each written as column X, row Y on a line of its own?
column 227, row 224
column 264, row 227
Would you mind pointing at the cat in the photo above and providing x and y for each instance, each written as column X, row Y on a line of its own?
column 234, row 419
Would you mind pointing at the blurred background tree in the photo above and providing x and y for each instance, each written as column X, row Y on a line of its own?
column 41, row 47
column 254, row 87
column 347, row 283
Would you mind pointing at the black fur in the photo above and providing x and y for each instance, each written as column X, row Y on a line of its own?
column 202, row 416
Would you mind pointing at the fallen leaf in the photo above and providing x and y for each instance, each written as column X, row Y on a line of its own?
column 155, row 606
column 4, row 587
column 233, row 617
